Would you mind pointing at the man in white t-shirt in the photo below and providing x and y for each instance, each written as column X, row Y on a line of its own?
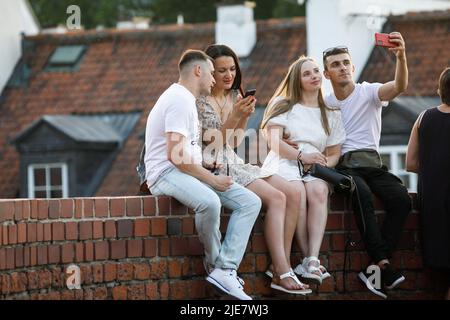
column 361, row 105
column 173, row 162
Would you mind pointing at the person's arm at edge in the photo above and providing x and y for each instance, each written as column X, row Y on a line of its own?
column 333, row 154
column 392, row 89
column 412, row 152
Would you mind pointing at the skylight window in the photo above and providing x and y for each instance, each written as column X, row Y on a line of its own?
column 66, row 58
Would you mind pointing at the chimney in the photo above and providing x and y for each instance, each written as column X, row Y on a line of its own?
column 236, row 27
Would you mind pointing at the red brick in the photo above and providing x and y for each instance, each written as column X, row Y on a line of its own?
column 188, row 225
column 258, row 244
column 26, row 209
column 42, row 255
column 118, row 249
column 175, row 268
column 5, row 280
column 134, row 208
column 101, row 208
column 54, row 255
column 67, row 207
column 18, row 215
column 338, row 241
column 101, row 250
column 117, row 207
column 79, row 252
column 124, row 271
column 4, row 234
column 150, row 246
column 21, row 232
column 53, row 209
column 71, row 230
column 47, row 231
column 178, row 290
column 34, row 209
column 335, row 261
column 124, row 228
column 179, row 247
column 33, row 256
column 136, row 292
column 261, row 263
column 68, row 252
column 164, row 290
column 67, row 295
column 6, row 210
column 19, row 257
column 98, row 230
column 12, row 234
column 119, row 293
column 88, row 208
column 334, row 221
column 78, row 208
column 33, row 280
column 26, row 256
column 58, row 231
column 97, row 273
column 88, row 251
column 197, row 289
column 39, row 231
column 141, row 271
column 134, row 248
column 195, row 246
column 149, row 204
column 58, row 278
column 85, row 230
column 163, row 206
column 110, row 229
column 158, row 269
column 159, row 227
column 19, row 282
column 141, row 227
column 177, row 208
column 110, row 272
column 164, row 247
column 86, row 274
column 100, row 293
column 42, row 209
column 151, row 291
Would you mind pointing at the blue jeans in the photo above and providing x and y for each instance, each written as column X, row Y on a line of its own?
column 207, row 202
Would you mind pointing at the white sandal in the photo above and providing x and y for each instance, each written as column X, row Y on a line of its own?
column 310, row 271
column 290, row 274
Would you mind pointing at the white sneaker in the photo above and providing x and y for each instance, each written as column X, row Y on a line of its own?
column 227, row 281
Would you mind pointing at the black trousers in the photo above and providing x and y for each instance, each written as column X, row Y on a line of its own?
column 379, row 242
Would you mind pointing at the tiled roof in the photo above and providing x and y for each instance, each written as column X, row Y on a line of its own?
column 427, row 38
column 126, row 71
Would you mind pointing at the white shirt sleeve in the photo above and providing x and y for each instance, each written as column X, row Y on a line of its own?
column 280, row 120
column 177, row 120
column 337, row 134
column 372, row 90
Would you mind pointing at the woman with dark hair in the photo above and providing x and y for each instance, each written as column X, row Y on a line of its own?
column 224, row 116
column 428, row 155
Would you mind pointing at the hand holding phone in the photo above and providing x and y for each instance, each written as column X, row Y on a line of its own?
column 250, row 92
column 382, row 39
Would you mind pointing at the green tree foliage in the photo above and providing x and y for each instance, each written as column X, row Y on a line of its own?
column 108, row 12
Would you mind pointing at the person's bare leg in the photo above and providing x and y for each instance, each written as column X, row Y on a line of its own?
column 274, row 222
column 292, row 190
column 317, row 198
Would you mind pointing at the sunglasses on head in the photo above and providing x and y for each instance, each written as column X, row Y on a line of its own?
column 333, row 50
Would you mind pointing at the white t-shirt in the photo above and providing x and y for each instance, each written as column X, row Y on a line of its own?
column 361, row 115
column 304, row 125
column 175, row 111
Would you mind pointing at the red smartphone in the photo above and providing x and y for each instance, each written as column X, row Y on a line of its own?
column 250, row 92
column 382, row 39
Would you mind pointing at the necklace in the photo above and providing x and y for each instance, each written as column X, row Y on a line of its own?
column 221, row 107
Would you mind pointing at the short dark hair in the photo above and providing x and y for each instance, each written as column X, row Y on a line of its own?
column 444, row 86
column 191, row 55
column 332, row 52
column 219, row 50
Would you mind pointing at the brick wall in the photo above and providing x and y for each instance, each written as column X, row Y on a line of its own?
column 147, row 248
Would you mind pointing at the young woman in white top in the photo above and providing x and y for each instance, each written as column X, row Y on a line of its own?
column 297, row 109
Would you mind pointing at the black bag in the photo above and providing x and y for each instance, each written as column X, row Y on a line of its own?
column 340, row 182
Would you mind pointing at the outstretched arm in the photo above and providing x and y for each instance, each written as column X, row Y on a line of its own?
column 392, row 89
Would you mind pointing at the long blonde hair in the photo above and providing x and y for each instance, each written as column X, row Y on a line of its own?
column 291, row 92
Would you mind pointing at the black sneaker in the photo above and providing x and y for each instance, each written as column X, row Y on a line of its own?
column 376, row 288
column 391, row 277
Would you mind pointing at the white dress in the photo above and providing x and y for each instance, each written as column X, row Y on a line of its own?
column 304, row 125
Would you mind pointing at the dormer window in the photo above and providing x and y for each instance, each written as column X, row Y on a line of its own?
column 66, row 58
column 48, row 181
